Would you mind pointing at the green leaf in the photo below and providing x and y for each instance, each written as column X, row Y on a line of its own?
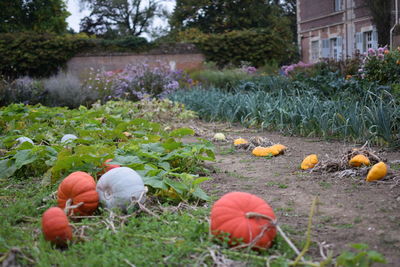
column 181, row 132
column 200, row 180
column 376, row 256
column 359, row 246
column 7, row 168
column 24, row 157
column 199, row 193
column 155, row 182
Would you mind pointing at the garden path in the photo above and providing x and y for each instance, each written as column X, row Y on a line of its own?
column 350, row 210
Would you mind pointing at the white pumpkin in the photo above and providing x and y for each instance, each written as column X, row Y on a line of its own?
column 118, row 187
column 68, row 138
column 24, row 139
column 219, row 137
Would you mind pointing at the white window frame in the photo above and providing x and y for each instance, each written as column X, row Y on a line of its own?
column 315, row 51
column 367, row 41
column 338, row 5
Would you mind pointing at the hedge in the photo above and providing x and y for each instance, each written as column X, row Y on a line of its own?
column 38, row 55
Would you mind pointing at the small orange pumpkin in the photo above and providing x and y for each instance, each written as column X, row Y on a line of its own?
column 80, row 187
column 55, row 226
column 309, row 162
column 281, row 148
column 243, row 216
column 240, row 141
column 265, row 151
column 377, row 172
column 359, row 160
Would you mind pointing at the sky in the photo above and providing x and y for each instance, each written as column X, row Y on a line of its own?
column 77, row 14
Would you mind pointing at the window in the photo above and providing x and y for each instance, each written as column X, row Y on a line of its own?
column 367, row 42
column 314, row 51
column 333, row 52
column 338, row 5
column 332, row 48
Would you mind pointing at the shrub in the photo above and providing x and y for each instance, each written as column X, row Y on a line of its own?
column 29, row 54
column 382, row 66
column 226, row 78
column 136, row 82
column 43, row 55
column 232, row 48
column 65, row 89
column 23, row 90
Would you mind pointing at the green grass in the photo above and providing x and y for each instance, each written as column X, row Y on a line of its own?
column 176, row 238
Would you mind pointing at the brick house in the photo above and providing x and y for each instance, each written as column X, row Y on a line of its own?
column 334, row 29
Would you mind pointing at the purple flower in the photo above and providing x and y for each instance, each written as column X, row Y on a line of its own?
column 371, row 51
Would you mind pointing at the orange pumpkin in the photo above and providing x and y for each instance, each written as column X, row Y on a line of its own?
column 243, row 217
column 281, row 148
column 309, row 162
column 265, row 151
column 359, row 160
column 80, row 187
column 55, row 226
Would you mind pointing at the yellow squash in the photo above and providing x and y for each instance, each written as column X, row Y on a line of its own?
column 240, row 141
column 309, row 162
column 359, row 160
column 281, row 148
column 265, row 151
column 378, row 171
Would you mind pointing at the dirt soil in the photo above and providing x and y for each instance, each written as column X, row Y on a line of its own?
column 350, row 210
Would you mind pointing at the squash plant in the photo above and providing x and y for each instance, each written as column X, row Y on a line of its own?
column 158, row 154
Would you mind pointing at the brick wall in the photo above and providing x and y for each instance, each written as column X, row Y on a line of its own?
column 177, row 56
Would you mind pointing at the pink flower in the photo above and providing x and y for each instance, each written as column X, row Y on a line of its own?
column 371, row 51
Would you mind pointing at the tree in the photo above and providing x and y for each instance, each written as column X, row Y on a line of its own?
column 381, row 14
column 217, row 16
column 33, row 15
column 119, row 17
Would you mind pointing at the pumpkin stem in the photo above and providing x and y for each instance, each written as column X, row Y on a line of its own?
column 251, row 214
column 69, row 207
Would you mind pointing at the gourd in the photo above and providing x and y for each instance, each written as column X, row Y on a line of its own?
column 118, row 187
column 55, row 226
column 309, row 162
column 24, row 139
column 243, row 216
column 359, row 160
column 240, row 141
column 78, row 187
column 378, row 171
column 219, row 137
column 281, row 148
column 68, row 138
column 265, row 151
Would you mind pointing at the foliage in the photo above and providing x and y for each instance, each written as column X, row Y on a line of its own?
column 255, row 47
column 368, row 116
column 224, row 16
column 136, row 82
column 35, row 55
column 159, row 156
column 226, row 78
column 40, row 16
column 381, row 11
column 382, row 67
column 119, row 17
column 362, row 257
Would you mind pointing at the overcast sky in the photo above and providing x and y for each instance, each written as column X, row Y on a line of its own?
column 76, row 13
